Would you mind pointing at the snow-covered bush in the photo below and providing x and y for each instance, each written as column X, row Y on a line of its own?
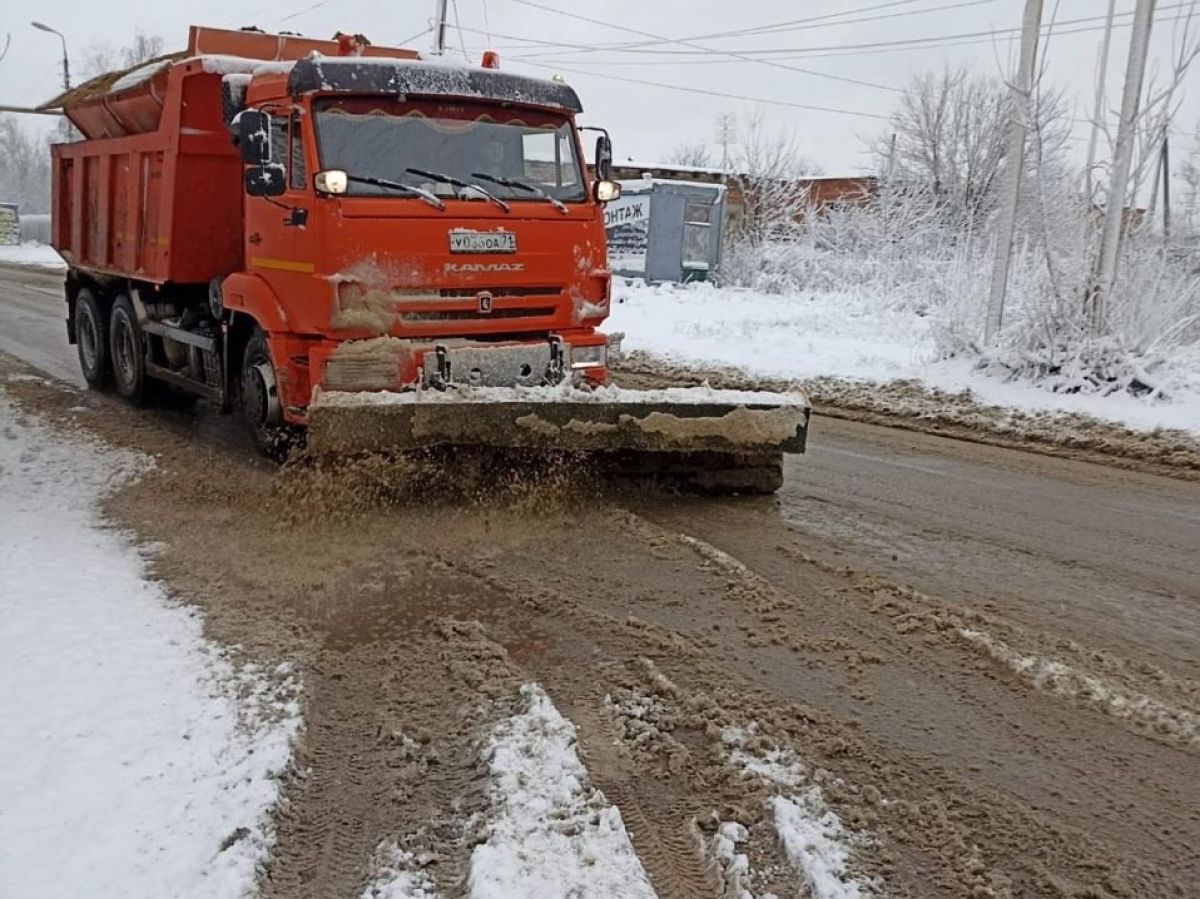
column 902, row 251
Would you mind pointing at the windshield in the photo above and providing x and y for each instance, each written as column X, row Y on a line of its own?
column 377, row 138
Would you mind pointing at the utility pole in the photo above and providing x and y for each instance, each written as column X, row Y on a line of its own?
column 891, row 163
column 1021, row 90
column 1114, row 208
column 1166, row 182
column 439, row 28
column 1098, row 111
column 726, row 135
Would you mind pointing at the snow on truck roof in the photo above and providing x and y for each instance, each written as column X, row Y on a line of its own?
column 351, row 74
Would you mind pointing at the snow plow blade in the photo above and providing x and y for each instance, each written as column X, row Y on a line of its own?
column 717, row 440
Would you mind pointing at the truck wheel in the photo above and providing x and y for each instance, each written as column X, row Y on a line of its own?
column 91, row 340
column 127, row 349
column 260, row 401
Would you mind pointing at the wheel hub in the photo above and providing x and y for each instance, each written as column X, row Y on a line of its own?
column 262, row 395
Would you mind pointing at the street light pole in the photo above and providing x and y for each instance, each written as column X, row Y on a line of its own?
column 66, row 62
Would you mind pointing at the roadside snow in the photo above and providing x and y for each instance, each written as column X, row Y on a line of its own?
column 552, row 834
column 130, row 767
column 809, row 335
column 37, row 255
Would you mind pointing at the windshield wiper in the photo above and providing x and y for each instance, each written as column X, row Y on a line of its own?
column 450, row 179
column 521, row 185
column 396, row 185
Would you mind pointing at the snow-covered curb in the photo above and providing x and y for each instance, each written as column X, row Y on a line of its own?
column 131, row 767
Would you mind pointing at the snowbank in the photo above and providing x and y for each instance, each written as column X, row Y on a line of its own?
column 37, row 255
column 130, row 767
column 808, row 335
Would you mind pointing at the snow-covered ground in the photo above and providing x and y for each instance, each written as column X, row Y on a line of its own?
column 130, row 768
column 851, row 336
column 38, row 255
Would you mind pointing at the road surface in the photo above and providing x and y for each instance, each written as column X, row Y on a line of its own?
column 987, row 658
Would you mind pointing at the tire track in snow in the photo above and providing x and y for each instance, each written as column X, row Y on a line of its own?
column 1061, row 679
column 550, row 833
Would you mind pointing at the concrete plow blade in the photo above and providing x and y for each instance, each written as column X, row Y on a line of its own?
column 715, row 440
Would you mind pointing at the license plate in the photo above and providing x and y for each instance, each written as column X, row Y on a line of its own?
column 483, row 242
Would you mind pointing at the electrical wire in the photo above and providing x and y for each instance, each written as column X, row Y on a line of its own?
column 929, row 41
column 550, row 57
column 487, row 22
column 807, row 24
column 461, row 40
column 772, row 64
column 709, row 93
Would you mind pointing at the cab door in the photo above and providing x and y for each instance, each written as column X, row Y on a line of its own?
column 279, row 238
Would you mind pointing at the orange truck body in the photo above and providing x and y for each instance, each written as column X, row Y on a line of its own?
column 153, row 202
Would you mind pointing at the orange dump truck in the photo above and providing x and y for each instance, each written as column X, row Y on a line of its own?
column 386, row 252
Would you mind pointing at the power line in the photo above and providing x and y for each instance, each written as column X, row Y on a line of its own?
column 799, row 52
column 658, row 37
column 708, row 93
column 812, row 22
column 932, row 42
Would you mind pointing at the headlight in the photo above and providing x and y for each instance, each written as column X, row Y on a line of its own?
column 589, row 356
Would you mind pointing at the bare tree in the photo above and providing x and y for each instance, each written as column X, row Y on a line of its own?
column 1163, row 97
column 24, row 167
column 949, row 132
column 767, row 173
column 99, row 58
column 692, row 156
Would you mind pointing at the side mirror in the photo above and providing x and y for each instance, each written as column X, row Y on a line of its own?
column 254, row 137
column 604, row 158
column 265, row 180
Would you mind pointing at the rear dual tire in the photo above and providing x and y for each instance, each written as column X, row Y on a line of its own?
column 91, row 340
column 127, row 353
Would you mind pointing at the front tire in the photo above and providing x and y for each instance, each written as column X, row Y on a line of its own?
column 91, row 340
column 260, row 405
column 127, row 351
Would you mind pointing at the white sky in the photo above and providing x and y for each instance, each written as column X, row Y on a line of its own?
column 647, row 122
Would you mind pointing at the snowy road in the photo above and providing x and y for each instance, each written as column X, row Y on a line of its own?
column 929, row 667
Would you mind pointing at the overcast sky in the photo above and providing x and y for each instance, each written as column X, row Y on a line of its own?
column 648, row 121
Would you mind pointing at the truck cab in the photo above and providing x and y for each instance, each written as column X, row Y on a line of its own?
column 414, row 224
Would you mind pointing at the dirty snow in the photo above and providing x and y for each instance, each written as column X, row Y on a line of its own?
column 398, row 874
column 38, row 255
column 563, row 393
column 130, row 767
column 552, row 835
column 813, row 837
column 1112, row 698
column 851, row 336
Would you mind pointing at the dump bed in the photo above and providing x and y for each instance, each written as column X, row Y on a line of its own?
column 154, row 191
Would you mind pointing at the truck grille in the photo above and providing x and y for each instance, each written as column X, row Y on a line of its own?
column 463, row 292
column 475, row 315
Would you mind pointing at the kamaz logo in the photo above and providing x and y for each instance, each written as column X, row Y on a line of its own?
column 462, row 268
